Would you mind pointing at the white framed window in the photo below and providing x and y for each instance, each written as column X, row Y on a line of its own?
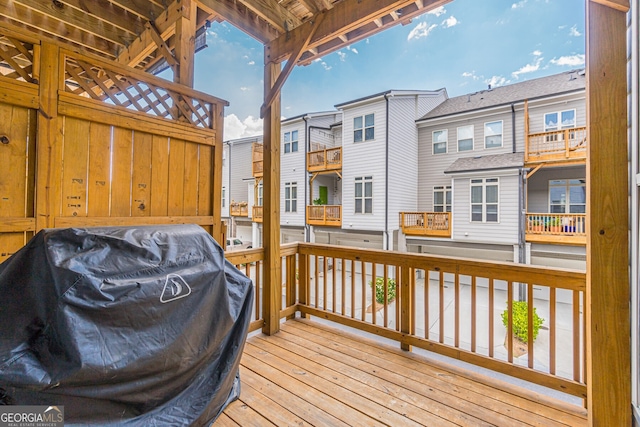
column 290, row 196
column 484, row 200
column 224, row 196
column 291, row 141
column 567, row 196
column 260, row 192
column 364, row 194
column 442, row 198
column 493, row 134
column 363, row 128
column 559, row 120
column 440, row 141
column 465, row 138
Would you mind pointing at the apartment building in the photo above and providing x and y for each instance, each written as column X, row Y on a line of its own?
column 502, row 174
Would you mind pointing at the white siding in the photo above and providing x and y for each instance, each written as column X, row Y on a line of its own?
column 225, row 180
column 505, row 231
column 366, row 158
column 239, row 161
column 292, row 169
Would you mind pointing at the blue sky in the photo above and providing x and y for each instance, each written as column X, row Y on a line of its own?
column 463, row 47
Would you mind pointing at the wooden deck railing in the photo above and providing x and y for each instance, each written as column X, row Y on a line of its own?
column 325, row 160
column 568, row 229
column 560, row 145
column 431, row 224
column 239, row 209
column 257, row 157
column 330, row 215
column 257, row 214
column 451, row 306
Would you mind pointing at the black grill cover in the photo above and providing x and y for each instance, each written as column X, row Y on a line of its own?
column 123, row 325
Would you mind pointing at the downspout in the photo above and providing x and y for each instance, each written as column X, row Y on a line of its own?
column 521, row 193
column 386, row 175
column 307, row 148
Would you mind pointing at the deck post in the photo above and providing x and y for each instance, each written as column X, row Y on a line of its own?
column 272, row 292
column 47, row 148
column 406, row 304
column 608, row 375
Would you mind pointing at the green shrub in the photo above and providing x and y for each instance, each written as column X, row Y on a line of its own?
column 391, row 289
column 521, row 320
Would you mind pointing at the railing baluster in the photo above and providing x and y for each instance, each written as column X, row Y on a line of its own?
column 343, row 285
column 576, row 336
column 363, row 290
column 456, row 338
column 473, row 313
column 552, row 331
column 374, row 285
column 398, row 299
column 353, row 289
column 510, row 322
column 316, row 296
column 491, row 330
column 333, row 283
column 427, row 287
column 386, row 296
column 324, row 282
column 530, row 308
column 441, row 307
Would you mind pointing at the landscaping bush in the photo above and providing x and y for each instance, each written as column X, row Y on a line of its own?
column 520, row 321
column 391, row 289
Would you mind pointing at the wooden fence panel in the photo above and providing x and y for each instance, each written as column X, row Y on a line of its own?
column 142, row 148
column 99, row 183
column 122, row 174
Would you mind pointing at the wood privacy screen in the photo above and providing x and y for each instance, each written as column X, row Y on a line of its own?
column 86, row 142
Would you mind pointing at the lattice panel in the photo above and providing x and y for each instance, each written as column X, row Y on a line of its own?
column 116, row 88
column 16, row 59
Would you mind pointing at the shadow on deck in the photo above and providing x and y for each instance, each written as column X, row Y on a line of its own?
column 313, row 374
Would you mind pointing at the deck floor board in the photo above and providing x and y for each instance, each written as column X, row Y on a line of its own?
column 313, row 374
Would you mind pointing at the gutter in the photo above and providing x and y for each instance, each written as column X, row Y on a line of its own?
column 386, row 174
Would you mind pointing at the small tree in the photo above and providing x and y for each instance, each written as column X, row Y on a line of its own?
column 391, row 289
column 521, row 321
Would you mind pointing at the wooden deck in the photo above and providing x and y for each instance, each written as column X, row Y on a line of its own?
column 312, row 374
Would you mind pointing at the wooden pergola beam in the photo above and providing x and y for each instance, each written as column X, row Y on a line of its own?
column 311, row 27
column 621, row 5
column 272, row 12
column 344, row 17
column 254, row 27
column 161, row 44
column 185, row 44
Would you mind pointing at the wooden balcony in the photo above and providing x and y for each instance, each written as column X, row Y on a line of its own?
column 563, row 229
column 327, row 215
column 428, row 224
column 314, row 374
column 256, row 157
column 257, row 214
column 567, row 145
column 239, row 209
column 326, row 160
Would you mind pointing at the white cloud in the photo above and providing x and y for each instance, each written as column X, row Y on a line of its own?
column 562, row 27
column 421, row 30
column 518, row 5
column 342, row 55
column 497, row 81
column 352, row 49
column 574, row 31
column 471, row 74
column 244, row 88
column 324, row 64
column 529, row 68
column 450, row 22
column 251, row 63
column 536, row 53
column 571, row 60
column 234, row 128
column 437, row 11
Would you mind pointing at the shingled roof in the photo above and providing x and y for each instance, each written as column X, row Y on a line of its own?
column 492, row 162
column 570, row 81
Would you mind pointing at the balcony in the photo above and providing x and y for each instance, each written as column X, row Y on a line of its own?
column 256, row 157
column 326, row 160
column 426, row 224
column 562, row 229
column 567, row 145
column 239, row 209
column 322, row 375
column 327, row 215
column 257, row 214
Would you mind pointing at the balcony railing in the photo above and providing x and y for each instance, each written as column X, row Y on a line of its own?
column 569, row 229
column 561, row 145
column 461, row 308
column 430, row 224
column 239, row 209
column 257, row 214
column 329, row 159
column 257, row 164
column 330, row 215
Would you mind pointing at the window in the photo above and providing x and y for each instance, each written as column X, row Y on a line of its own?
column 291, row 197
column 364, row 194
column 484, row 200
column 224, row 196
column 465, row 138
column 363, row 129
column 439, row 141
column 260, row 194
column 442, row 199
column 560, row 120
column 567, row 196
column 291, row 141
column 493, row 134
